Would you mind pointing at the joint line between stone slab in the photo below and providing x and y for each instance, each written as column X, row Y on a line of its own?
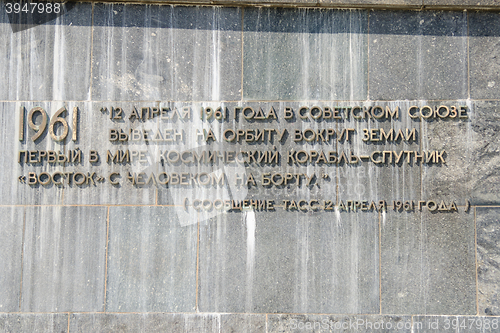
column 380, row 259
column 22, row 258
column 475, row 254
column 197, row 262
column 421, row 125
column 91, row 52
column 68, row 321
column 267, row 320
column 337, row 172
column 106, row 261
column 468, row 57
column 368, row 57
column 242, row 55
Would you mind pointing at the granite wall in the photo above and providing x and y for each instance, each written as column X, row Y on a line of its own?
column 106, row 226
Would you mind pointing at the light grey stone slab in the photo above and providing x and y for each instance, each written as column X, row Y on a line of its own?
column 11, row 233
column 64, row 259
column 243, row 323
column 472, row 155
column 34, row 322
column 408, row 48
column 459, row 324
column 50, row 61
column 462, row 3
column 338, row 323
column 428, row 263
column 299, row 54
column 488, row 260
column 151, row 261
column 483, row 47
column 289, row 262
column 454, row 179
column 149, row 52
column 166, row 322
column 383, row 3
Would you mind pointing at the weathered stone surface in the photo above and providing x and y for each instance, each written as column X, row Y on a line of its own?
column 267, row 2
column 64, row 259
column 428, row 263
column 11, row 233
column 147, row 322
column 472, row 155
column 455, row 179
column 389, row 3
column 243, row 323
column 302, row 54
column 50, row 61
column 289, row 262
column 338, row 323
column 151, row 261
column 34, row 322
column 461, row 3
column 167, row 322
column 166, row 53
column 408, row 48
column 119, row 257
column 484, row 31
column 488, row 260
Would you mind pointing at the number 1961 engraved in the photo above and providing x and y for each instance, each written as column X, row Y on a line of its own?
column 40, row 7
column 39, row 129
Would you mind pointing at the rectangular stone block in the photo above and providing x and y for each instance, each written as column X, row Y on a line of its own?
column 243, row 323
column 483, row 47
column 381, row 3
column 418, row 55
column 50, row 60
column 471, row 146
column 300, row 54
column 151, row 261
column 11, row 234
column 488, row 260
column 428, row 262
column 64, row 259
column 166, row 53
column 34, row 322
column 289, row 262
column 462, row 3
column 167, row 322
column 338, row 323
